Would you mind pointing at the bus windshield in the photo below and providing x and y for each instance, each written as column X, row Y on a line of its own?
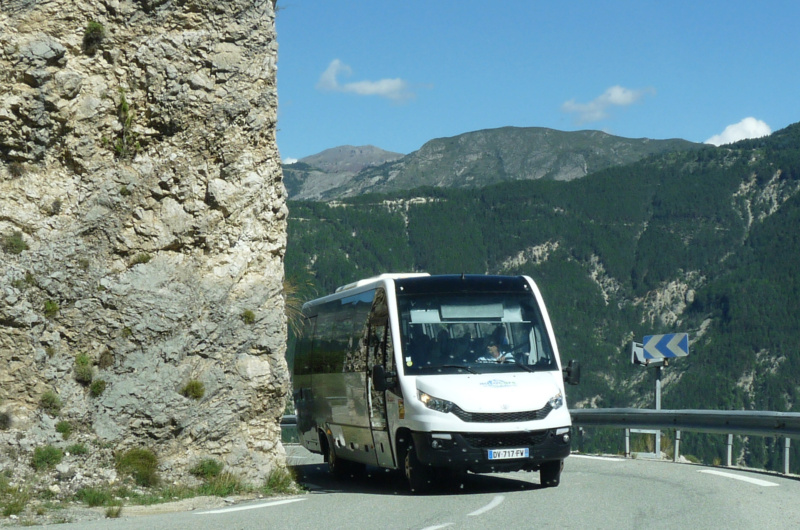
column 476, row 333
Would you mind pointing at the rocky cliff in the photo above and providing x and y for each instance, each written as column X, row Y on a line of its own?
column 143, row 229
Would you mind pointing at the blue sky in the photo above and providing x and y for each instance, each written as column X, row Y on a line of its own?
column 395, row 74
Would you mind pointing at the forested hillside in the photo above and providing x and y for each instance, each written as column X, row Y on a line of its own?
column 703, row 241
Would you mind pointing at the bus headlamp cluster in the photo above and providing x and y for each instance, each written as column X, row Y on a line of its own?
column 434, row 403
column 556, row 401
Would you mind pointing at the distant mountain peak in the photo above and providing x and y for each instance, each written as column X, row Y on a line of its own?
column 469, row 160
column 349, row 158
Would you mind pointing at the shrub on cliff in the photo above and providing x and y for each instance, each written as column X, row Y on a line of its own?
column 139, row 463
column 46, row 457
column 50, row 403
column 93, row 37
column 83, row 369
column 194, row 389
column 14, row 243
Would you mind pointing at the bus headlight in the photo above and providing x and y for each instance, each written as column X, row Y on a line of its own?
column 434, row 403
column 556, row 401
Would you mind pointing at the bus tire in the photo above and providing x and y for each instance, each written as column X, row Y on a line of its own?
column 419, row 475
column 550, row 473
column 336, row 466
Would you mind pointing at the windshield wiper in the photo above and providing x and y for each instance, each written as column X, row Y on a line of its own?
column 459, row 366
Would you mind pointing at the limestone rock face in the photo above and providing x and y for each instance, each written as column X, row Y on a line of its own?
column 143, row 225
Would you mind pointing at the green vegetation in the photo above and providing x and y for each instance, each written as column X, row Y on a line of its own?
column 223, row 485
column 127, row 144
column 207, row 468
column 114, row 509
column 248, row 317
column 93, row 37
column 106, row 360
column 64, row 428
column 280, row 481
column 97, row 387
column 83, row 369
column 13, row 499
column 77, row 449
column 17, row 169
column 94, row 496
column 46, row 457
column 13, row 243
column 50, row 403
column 50, row 308
column 5, row 421
column 193, row 389
column 712, row 222
column 142, row 257
column 124, row 191
column 141, row 464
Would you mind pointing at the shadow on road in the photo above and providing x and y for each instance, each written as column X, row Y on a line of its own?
column 316, row 479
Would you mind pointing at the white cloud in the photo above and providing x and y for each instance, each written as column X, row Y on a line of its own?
column 288, row 161
column 598, row 108
column 747, row 128
column 394, row 89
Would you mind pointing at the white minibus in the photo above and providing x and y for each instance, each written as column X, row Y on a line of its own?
column 433, row 376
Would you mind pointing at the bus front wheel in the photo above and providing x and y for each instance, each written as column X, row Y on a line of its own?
column 419, row 475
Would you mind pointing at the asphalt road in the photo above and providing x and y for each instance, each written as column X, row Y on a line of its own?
column 594, row 493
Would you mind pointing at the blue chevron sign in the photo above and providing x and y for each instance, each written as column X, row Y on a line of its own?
column 666, row 346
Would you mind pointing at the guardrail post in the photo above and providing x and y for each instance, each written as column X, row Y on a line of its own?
column 786, row 443
column 730, row 449
column 677, row 446
column 627, row 443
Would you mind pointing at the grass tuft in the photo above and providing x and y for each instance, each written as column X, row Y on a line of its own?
column 14, row 243
column 207, row 468
column 141, row 464
column 65, row 428
column 83, row 369
column 97, row 388
column 248, row 317
column 194, row 389
column 50, row 403
column 46, row 457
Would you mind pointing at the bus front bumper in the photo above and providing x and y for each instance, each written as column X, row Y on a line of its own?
column 492, row 452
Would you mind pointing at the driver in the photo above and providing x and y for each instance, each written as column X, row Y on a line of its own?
column 493, row 355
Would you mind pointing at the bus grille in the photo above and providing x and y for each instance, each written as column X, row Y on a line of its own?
column 510, row 439
column 501, row 417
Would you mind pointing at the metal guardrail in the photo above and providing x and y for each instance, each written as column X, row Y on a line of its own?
column 786, row 424
column 742, row 422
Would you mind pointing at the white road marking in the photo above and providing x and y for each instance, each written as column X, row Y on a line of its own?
column 438, row 526
column 497, row 501
column 250, row 506
column 756, row 481
column 605, row 458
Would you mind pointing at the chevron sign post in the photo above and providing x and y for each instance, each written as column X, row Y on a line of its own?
column 659, row 347
column 655, row 351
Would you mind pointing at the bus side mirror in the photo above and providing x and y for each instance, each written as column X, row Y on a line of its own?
column 572, row 373
column 382, row 380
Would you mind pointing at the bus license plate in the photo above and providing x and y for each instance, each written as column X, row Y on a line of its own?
column 505, row 454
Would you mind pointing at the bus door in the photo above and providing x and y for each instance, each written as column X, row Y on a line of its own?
column 379, row 352
column 303, row 389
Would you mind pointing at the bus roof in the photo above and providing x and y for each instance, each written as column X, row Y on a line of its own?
column 385, row 276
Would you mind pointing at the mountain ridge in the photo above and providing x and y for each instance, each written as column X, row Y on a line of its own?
column 475, row 159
